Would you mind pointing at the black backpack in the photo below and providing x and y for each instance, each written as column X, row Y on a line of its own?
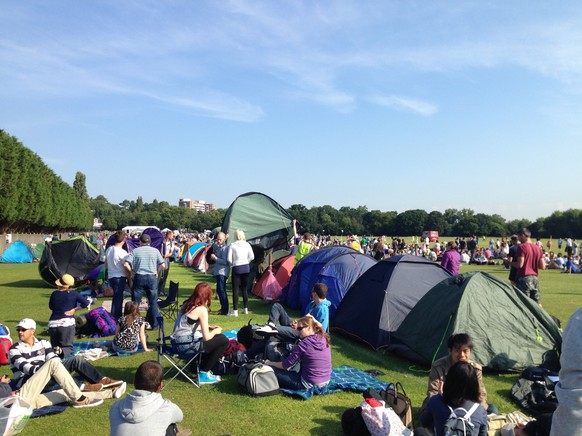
column 460, row 424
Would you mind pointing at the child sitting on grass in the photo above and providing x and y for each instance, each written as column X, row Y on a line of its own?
column 130, row 330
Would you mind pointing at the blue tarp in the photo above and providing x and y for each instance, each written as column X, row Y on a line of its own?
column 17, row 252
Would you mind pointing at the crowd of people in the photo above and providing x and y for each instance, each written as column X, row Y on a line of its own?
column 455, row 382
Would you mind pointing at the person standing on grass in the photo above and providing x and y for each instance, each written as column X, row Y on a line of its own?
column 240, row 257
column 146, row 264
column 64, row 302
column 115, row 257
column 451, row 259
column 529, row 260
column 221, row 270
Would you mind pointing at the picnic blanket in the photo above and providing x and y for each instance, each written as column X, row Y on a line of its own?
column 343, row 378
column 94, row 350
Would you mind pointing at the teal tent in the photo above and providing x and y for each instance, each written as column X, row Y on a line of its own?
column 17, row 252
column 509, row 330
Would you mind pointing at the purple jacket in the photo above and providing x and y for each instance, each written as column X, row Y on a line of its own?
column 315, row 357
column 451, row 261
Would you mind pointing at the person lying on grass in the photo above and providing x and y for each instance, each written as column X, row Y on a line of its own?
column 309, row 363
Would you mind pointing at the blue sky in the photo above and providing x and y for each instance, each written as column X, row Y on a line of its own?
column 393, row 105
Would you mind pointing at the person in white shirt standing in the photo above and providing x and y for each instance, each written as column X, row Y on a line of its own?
column 115, row 257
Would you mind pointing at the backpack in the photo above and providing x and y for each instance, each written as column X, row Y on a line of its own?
column 102, row 322
column 460, row 425
column 258, row 379
column 5, row 344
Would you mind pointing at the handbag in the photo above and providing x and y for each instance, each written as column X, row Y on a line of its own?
column 395, row 397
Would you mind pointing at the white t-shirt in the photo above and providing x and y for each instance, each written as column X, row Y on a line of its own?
column 115, row 258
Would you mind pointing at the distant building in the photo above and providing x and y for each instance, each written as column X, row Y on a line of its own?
column 200, row 205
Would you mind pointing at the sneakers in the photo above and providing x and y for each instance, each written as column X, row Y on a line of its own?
column 268, row 328
column 88, row 387
column 86, row 402
column 233, row 313
column 119, row 391
column 110, row 383
column 245, row 311
column 207, row 378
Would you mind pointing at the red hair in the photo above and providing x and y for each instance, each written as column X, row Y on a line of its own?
column 201, row 296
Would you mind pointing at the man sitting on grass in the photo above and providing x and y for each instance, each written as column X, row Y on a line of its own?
column 143, row 411
column 318, row 307
column 460, row 347
column 29, row 354
column 31, row 390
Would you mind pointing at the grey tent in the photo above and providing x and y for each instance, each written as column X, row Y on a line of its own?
column 382, row 297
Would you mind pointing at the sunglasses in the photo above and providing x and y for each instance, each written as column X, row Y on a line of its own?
column 299, row 328
column 21, row 329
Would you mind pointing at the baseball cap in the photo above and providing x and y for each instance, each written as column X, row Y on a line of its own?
column 66, row 280
column 145, row 239
column 27, row 324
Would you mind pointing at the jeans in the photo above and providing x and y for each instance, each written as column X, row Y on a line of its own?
column 221, row 292
column 118, row 286
column 289, row 379
column 82, row 367
column 285, row 332
column 63, row 337
column 147, row 283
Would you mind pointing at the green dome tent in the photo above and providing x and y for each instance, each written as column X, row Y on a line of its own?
column 264, row 221
column 509, row 330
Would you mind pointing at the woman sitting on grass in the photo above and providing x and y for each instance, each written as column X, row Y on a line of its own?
column 130, row 330
column 309, row 363
column 192, row 333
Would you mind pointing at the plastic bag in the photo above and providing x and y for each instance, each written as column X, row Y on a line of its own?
column 272, row 288
column 14, row 414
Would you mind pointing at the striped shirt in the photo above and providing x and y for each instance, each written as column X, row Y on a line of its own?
column 26, row 360
column 145, row 260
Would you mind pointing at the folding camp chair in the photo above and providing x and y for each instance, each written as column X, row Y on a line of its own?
column 169, row 306
column 180, row 364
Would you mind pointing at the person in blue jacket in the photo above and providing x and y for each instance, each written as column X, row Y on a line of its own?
column 286, row 331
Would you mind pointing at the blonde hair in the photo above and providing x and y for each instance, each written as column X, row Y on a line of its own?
column 239, row 235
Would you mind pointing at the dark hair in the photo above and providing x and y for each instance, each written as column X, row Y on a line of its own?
column 120, row 236
column 131, row 312
column 320, row 289
column 452, row 244
column 459, row 340
column 524, row 231
column 148, row 376
column 201, row 296
column 461, row 384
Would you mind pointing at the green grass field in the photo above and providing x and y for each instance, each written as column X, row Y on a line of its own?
column 224, row 408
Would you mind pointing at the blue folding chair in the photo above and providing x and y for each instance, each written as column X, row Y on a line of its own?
column 180, row 364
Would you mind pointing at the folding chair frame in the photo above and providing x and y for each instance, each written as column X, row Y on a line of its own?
column 168, row 352
column 169, row 307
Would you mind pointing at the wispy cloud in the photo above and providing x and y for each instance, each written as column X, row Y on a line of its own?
column 405, row 104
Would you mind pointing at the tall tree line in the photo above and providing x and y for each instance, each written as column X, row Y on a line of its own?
column 34, row 199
